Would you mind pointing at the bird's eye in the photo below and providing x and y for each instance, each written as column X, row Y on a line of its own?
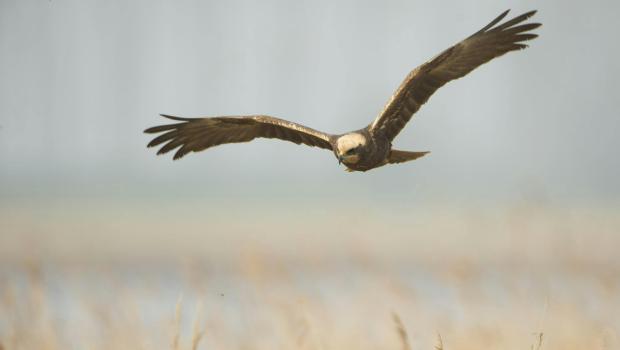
column 351, row 151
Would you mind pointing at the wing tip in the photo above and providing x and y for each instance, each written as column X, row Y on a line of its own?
column 160, row 128
column 528, row 15
column 178, row 155
column 516, row 20
column 524, row 16
column 172, row 117
column 163, row 151
column 492, row 23
column 151, row 130
column 508, row 24
column 152, row 144
column 502, row 15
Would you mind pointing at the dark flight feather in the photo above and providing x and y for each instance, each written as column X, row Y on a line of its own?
column 197, row 134
column 457, row 61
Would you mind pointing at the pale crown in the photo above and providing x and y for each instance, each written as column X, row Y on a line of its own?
column 349, row 141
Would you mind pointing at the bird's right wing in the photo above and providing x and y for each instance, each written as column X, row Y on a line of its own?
column 484, row 45
column 198, row 134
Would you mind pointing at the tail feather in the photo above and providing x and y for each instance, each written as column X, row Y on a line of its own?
column 397, row 156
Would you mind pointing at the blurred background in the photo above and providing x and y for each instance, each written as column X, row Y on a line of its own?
column 509, row 229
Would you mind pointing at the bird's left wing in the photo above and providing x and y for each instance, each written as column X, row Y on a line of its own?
column 489, row 42
column 198, row 134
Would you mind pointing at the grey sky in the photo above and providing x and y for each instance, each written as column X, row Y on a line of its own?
column 80, row 80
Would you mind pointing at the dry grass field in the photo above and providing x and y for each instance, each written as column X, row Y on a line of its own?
column 161, row 276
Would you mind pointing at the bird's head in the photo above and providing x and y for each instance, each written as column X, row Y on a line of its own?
column 349, row 147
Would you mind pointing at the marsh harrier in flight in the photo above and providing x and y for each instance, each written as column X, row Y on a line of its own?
column 369, row 147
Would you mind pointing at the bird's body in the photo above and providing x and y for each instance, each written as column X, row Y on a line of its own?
column 366, row 148
column 370, row 151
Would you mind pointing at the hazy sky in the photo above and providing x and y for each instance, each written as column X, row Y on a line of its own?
column 80, row 80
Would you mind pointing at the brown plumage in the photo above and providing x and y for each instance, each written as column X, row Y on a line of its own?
column 198, row 134
column 370, row 147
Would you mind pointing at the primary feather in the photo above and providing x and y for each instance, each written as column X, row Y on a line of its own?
column 457, row 61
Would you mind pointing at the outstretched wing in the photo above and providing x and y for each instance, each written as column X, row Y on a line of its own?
column 489, row 42
column 197, row 134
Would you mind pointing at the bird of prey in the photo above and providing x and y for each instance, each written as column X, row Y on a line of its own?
column 366, row 148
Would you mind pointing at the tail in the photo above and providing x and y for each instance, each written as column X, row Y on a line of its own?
column 397, row 156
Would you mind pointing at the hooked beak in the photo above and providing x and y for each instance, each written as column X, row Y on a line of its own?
column 340, row 160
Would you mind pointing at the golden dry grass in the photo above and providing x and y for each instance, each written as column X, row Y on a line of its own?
column 522, row 279
column 275, row 309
